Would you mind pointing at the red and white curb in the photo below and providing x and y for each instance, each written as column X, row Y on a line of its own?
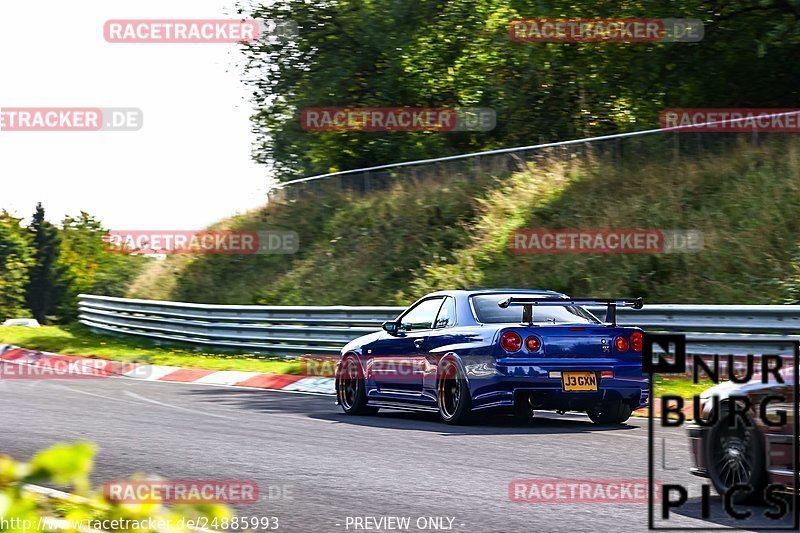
column 49, row 365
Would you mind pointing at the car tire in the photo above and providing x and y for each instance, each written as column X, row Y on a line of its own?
column 453, row 395
column 729, row 451
column 614, row 412
column 351, row 391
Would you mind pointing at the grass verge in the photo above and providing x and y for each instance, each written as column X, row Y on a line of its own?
column 76, row 339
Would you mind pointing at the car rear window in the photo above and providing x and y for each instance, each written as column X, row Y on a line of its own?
column 488, row 312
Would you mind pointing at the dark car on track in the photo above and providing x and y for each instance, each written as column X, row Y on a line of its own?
column 460, row 352
column 754, row 450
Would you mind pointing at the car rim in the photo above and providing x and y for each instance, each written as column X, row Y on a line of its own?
column 449, row 396
column 349, row 385
column 732, row 456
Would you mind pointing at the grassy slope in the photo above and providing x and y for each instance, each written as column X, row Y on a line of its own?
column 391, row 247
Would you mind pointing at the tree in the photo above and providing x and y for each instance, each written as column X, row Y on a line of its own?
column 46, row 286
column 88, row 267
column 457, row 53
column 16, row 258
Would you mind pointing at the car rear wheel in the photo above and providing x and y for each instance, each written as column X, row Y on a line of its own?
column 453, row 395
column 614, row 412
column 735, row 457
column 351, row 391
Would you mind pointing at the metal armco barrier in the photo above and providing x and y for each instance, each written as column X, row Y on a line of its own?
column 324, row 330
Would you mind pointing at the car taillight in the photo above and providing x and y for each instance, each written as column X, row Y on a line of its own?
column 621, row 343
column 511, row 341
column 533, row 343
column 607, row 374
column 636, row 341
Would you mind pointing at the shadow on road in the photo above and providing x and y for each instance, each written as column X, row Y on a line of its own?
column 323, row 408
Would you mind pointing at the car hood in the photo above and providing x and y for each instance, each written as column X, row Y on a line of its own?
column 355, row 344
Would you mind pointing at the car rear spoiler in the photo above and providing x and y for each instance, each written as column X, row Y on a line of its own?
column 611, row 303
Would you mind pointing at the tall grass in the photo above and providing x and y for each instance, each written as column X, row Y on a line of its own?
column 394, row 245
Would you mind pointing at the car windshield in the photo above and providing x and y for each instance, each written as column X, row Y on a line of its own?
column 488, row 312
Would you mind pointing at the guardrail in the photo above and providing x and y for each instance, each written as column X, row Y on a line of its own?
column 324, row 330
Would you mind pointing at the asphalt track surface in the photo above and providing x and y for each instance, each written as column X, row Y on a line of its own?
column 328, row 466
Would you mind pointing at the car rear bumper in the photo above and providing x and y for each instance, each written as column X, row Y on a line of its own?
column 507, row 380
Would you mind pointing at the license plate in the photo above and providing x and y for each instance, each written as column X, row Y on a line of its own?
column 579, row 381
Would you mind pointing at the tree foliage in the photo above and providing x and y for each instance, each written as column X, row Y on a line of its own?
column 69, row 466
column 43, row 267
column 457, row 53
column 46, row 285
column 15, row 262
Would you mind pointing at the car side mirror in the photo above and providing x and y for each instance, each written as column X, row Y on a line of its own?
column 391, row 327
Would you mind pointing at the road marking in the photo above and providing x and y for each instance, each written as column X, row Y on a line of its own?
column 176, row 407
column 79, row 391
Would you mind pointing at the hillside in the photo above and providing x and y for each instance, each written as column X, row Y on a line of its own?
column 392, row 246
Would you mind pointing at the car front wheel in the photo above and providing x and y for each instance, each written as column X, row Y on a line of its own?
column 351, row 391
column 735, row 456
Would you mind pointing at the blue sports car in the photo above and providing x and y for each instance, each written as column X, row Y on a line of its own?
column 459, row 352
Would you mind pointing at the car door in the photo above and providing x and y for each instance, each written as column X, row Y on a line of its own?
column 397, row 362
column 441, row 335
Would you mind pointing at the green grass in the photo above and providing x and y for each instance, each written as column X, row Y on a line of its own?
column 682, row 386
column 76, row 339
column 448, row 232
